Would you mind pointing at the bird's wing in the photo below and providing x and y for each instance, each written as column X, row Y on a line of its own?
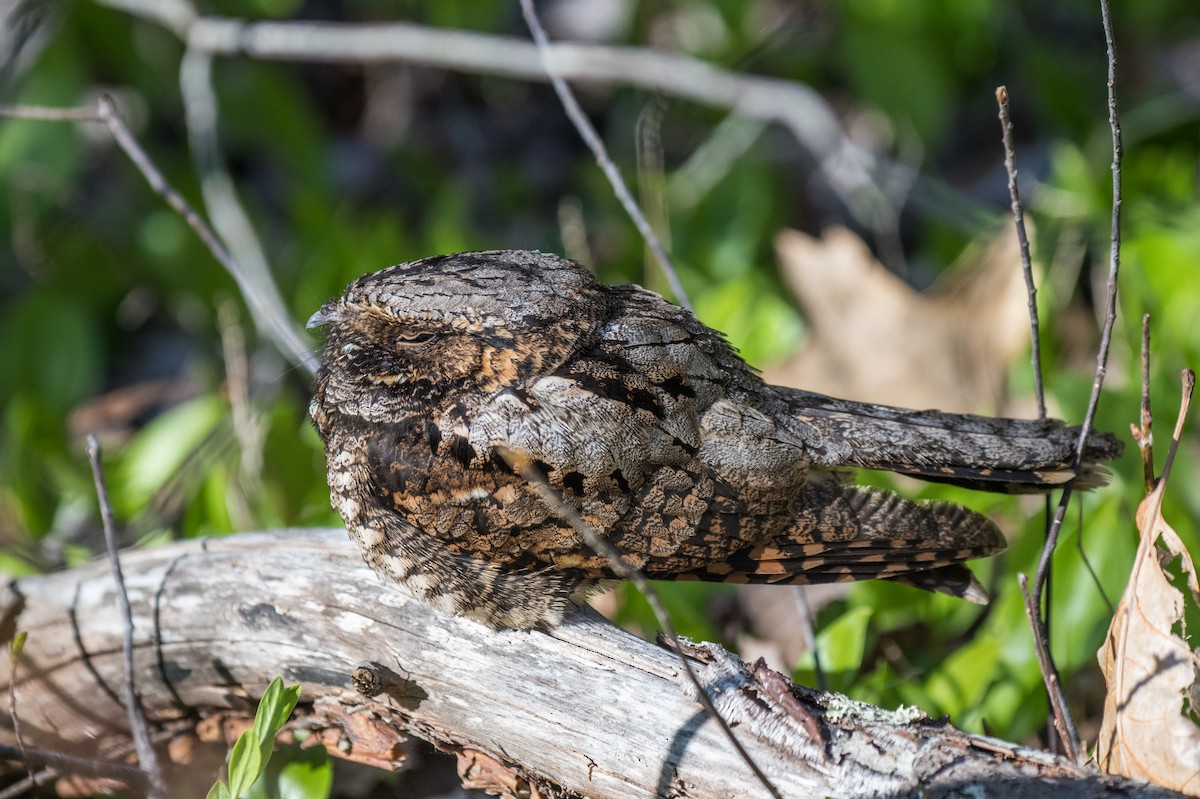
column 841, row 533
column 591, row 422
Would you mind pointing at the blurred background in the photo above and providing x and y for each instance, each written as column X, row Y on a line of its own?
column 898, row 282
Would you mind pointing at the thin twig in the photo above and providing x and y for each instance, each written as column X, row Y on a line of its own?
column 39, row 113
column 130, row 775
column 1110, row 315
column 138, row 724
column 1063, row 722
column 15, row 647
column 1041, row 635
column 27, row 784
column 592, row 139
column 808, row 625
column 1087, row 564
column 1044, row 606
column 247, row 426
column 1154, row 497
column 1114, row 254
column 522, row 465
column 293, row 346
column 1110, row 308
column 271, row 312
column 1018, row 212
column 1035, row 340
column 1144, row 432
column 1149, row 534
column 573, row 230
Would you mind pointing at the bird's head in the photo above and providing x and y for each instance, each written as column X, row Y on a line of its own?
column 404, row 340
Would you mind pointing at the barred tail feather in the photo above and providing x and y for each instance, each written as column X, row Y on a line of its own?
column 980, row 452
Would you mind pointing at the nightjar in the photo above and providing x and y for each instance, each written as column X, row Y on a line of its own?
column 645, row 422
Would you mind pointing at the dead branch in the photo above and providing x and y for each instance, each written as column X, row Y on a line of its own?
column 136, row 715
column 852, row 171
column 588, row 710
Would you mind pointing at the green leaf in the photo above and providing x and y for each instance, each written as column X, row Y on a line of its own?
column 842, row 644
column 962, row 681
column 252, row 751
column 160, row 449
column 218, row 791
column 17, row 644
column 308, row 778
column 295, row 772
column 274, row 709
column 245, row 763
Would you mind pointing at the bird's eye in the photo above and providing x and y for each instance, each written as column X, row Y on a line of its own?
column 409, row 338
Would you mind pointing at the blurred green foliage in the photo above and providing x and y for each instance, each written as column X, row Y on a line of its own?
column 108, row 303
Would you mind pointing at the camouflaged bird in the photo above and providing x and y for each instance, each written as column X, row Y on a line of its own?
column 649, row 425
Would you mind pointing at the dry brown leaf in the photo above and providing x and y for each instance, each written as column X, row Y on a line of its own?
column 875, row 339
column 1149, row 669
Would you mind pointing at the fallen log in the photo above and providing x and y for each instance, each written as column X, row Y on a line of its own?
column 587, row 710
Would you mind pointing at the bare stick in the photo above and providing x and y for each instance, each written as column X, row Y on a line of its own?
column 1087, row 564
column 1114, row 254
column 1018, row 212
column 808, row 623
column 1110, row 315
column 270, row 312
column 1110, row 307
column 592, row 139
column 15, row 647
column 130, row 775
column 1035, row 342
column 625, row 570
column 247, row 426
column 1041, row 632
column 138, row 725
column 1144, row 432
column 651, row 181
column 573, row 230
column 1041, row 635
column 39, row 113
column 283, row 331
column 1154, row 497
column 24, row 786
column 1063, row 722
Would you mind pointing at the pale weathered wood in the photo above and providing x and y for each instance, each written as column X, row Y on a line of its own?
column 587, row 710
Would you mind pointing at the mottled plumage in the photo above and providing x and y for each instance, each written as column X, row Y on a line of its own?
column 648, row 424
